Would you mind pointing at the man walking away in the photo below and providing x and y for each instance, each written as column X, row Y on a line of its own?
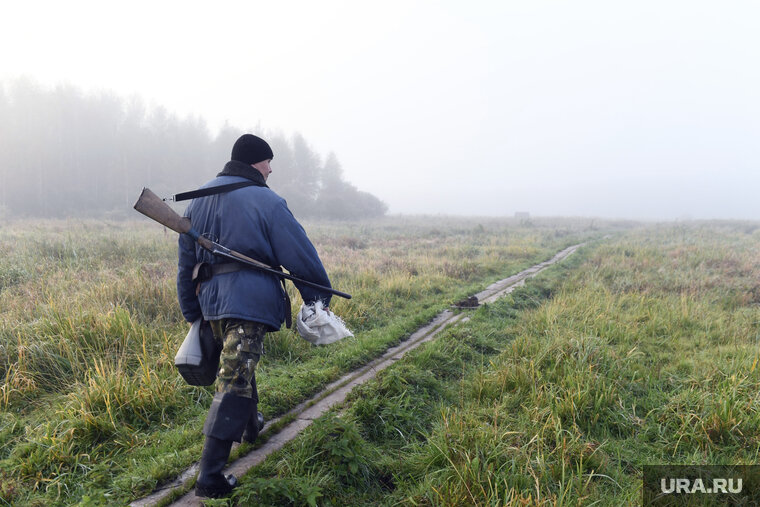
column 241, row 304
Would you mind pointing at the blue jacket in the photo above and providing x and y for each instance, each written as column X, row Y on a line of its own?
column 255, row 222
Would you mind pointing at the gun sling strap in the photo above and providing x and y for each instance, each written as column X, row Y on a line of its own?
column 231, row 168
column 203, row 192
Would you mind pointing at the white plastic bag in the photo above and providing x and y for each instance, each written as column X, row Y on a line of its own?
column 319, row 326
column 190, row 351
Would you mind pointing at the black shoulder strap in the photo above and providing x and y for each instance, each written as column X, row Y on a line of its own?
column 213, row 190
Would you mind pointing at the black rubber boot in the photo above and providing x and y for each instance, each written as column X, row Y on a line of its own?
column 211, row 482
column 253, row 426
column 228, row 416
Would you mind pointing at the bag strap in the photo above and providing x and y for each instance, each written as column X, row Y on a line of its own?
column 288, row 310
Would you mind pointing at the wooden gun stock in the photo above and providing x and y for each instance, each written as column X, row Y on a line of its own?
column 151, row 205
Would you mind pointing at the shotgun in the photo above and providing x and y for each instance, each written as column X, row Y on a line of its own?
column 150, row 205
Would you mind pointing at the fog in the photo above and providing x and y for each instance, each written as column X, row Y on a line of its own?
column 642, row 109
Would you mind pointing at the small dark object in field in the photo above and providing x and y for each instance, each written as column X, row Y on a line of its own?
column 470, row 302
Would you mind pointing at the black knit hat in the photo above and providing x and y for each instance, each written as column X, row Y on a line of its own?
column 251, row 149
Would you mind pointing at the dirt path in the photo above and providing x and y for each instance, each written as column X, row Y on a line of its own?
column 335, row 393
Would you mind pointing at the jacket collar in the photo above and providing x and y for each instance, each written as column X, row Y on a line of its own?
column 235, row 168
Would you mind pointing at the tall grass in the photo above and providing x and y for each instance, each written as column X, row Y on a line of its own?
column 645, row 352
column 90, row 403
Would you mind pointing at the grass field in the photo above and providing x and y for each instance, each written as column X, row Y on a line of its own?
column 92, row 410
column 640, row 349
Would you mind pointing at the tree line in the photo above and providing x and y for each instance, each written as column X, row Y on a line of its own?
column 66, row 153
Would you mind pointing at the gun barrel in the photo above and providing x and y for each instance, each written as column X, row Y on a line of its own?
column 233, row 255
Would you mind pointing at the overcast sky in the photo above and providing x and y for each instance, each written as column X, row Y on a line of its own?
column 637, row 109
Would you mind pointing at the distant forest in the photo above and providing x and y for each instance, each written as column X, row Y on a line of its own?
column 64, row 153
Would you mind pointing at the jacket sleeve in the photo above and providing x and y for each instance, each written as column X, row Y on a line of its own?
column 188, row 301
column 293, row 251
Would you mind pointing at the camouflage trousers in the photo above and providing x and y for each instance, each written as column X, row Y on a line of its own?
column 236, row 398
column 242, row 347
